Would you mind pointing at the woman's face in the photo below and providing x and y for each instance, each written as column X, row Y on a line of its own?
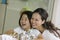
column 24, row 22
column 36, row 21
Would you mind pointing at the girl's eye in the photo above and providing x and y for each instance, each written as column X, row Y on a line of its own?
column 37, row 20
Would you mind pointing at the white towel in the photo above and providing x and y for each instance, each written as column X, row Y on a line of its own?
column 7, row 37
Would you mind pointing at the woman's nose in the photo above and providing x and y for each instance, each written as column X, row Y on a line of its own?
column 33, row 21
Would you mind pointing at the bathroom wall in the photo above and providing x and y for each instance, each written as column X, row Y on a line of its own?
column 10, row 13
column 2, row 14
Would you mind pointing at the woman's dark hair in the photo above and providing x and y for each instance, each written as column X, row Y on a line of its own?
column 29, row 15
column 47, row 24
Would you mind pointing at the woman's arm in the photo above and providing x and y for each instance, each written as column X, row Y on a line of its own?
column 12, row 33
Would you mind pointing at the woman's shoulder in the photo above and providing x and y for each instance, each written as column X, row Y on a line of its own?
column 58, row 31
column 48, row 35
column 47, row 32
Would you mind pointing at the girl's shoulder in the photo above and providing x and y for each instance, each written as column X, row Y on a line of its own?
column 18, row 30
column 35, row 32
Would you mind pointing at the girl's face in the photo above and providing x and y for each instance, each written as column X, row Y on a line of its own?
column 25, row 22
column 36, row 21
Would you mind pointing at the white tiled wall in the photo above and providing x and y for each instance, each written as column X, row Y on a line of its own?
column 2, row 13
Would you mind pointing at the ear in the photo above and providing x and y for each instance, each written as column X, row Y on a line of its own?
column 43, row 21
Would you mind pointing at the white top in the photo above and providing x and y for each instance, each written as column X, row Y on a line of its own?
column 49, row 36
column 31, row 33
column 7, row 37
column 19, row 30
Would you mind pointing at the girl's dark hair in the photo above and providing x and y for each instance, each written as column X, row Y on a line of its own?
column 29, row 15
column 47, row 24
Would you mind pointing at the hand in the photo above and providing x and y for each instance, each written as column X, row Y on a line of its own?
column 11, row 31
column 40, row 37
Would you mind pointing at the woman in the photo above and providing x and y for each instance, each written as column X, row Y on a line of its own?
column 47, row 29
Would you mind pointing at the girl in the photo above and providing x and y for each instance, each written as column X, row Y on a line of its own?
column 47, row 29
